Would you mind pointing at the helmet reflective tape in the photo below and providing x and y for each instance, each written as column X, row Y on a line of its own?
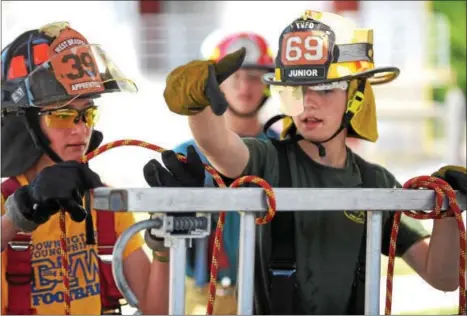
column 57, row 69
column 343, row 85
column 17, row 68
column 291, row 98
column 40, row 53
column 82, row 70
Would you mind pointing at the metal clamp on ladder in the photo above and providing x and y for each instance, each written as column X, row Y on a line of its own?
column 178, row 230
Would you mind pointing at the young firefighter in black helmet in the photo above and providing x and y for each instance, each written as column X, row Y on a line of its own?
column 52, row 80
column 323, row 76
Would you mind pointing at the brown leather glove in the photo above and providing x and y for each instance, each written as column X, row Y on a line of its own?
column 190, row 88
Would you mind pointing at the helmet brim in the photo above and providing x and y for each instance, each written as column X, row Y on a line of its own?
column 375, row 76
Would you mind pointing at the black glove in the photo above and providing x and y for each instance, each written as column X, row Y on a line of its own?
column 59, row 186
column 456, row 176
column 177, row 174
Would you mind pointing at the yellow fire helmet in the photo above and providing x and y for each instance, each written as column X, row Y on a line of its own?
column 322, row 51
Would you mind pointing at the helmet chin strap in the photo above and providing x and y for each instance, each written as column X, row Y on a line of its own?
column 353, row 106
column 39, row 138
column 321, row 148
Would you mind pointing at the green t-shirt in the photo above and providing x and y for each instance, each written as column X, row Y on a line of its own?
column 318, row 233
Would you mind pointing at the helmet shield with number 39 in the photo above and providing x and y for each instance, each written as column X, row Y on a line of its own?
column 319, row 51
column 68, row 67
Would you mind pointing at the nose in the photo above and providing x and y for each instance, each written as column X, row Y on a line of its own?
column 311, row 98
column 242, row 84
column 80, row 128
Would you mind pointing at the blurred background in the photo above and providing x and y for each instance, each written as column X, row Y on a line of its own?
column 421, row 114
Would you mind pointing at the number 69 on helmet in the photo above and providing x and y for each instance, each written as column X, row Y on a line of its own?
column 322, row 51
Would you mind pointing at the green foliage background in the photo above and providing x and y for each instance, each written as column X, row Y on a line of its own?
column 455, row 12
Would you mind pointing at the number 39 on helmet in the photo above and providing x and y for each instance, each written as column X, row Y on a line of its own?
column 53, row 66
column 323, row 50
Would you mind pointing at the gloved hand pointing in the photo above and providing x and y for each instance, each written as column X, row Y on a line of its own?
column 192, row 87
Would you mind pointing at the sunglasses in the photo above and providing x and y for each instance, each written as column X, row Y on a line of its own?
column 68, row 117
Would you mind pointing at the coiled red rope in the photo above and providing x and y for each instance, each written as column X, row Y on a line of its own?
column 442, row 189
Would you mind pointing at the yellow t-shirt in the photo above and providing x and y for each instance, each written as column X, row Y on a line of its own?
column 47, row 286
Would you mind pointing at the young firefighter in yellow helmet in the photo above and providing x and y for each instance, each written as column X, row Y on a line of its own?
column 323, row 76
column 52, row 81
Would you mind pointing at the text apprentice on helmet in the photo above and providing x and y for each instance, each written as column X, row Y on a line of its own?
column 52, row 82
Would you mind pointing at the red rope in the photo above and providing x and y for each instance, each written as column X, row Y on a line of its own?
column 442, row 189
column 64, row 267
column 219, row 229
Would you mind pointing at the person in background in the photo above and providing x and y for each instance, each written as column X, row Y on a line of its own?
column 246, row 95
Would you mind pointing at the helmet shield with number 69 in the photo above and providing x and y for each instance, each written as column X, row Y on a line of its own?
column 66, row 67
column 320, row 50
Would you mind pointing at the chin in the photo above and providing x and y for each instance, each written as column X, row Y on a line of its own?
column 314, row 137
column 73, row 157
column 244, row 109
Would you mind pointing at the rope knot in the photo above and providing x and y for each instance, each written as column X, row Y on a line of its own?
column 442, row 189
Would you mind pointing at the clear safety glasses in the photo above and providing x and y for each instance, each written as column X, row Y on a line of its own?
column 291, row 98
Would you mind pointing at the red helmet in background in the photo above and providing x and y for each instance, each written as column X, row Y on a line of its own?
column 258, row 53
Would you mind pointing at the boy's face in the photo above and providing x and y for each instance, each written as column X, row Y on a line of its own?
column 322, row 115
column 244, row 90
column 69, row 136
